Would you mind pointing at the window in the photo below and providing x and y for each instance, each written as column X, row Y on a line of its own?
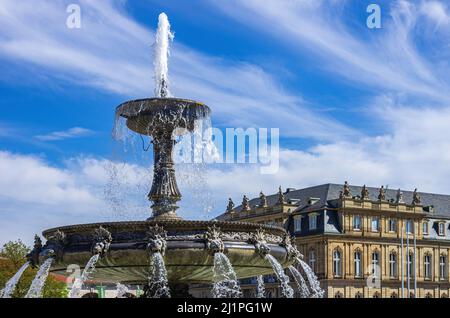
column 442, row 267
column 375, row 224
column 425, row 228
column 427, row 266
column 392, row 225
column 409, row 226
column 357, row 256
column 393, row 265
column 428, row 295
column 394, row 295
column 358, row 295
column 376, row 295
column 313, row 221
column 357, row 222
column 442, row 228
column 297, row 223
column 409, row 264
column 338, row 295
column 312, row 260
column 337, row 263
column 375, row 263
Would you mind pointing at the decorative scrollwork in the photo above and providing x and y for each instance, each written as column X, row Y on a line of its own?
column 258, row 239
column 102, row 241
column 214, row 243
column 157, row 239
column 292, row 253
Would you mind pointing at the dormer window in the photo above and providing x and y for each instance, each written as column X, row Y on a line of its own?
column 441, row 228
column 313, row 221
column 297, row 223
column 425, row 227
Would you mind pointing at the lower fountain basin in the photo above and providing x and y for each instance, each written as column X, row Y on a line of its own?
column 186, row 257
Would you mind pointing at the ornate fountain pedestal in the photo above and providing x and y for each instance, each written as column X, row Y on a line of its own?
column 162, row 119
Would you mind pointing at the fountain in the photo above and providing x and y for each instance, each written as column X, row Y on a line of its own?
column 165, row 252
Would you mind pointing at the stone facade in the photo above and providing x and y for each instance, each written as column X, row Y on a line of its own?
column 354, row 242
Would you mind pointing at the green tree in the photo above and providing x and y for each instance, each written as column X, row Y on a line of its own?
column 13, row 257
column 16, row 252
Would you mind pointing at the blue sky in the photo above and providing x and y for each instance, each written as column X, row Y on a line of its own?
column 352, row 103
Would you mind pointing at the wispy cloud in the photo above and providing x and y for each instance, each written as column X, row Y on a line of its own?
column 386, row 58
column 113, row 52
column 71, row 133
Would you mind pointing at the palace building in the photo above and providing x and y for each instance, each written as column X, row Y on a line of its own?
column 363, row 241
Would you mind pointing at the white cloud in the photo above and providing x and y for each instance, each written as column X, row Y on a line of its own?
column 386, row 58
column 74, row 132
column 113, row 52
column 436, row 11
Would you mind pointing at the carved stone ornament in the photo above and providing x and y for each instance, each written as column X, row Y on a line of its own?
column 55, row 246
column 262, row 200
column 33, row 256
column 157, row 239
column 292, row 253
column 382, row 194
column 280, row 196
column 102, row 241
column 213, row 238
column 258, row 239
column 245, row 204
column 364, row 193
column 416, row 198
column 230, row 206
column 346, row 193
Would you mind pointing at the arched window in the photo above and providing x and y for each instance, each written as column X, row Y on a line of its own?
column 392, row 265
column 338, row 295
column 312, row 260
column 376, row 295
column 375, row 263
column 410, row 264
column 337, row 263
column 428, row 295
column 358, row 295
column 443, row 267
column 427, row 266
column 358, row 265
column 394, row 295
column 357, row 222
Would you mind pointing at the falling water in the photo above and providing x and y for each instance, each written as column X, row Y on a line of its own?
column 286, row 290
column 162, row 43
column 260, row 288
column 122, row 290
column 79, row 281
column 38, row 282
column 11, row 284
column 312, row 279
column 158, row 284
column 301, row 284
column 225, row 280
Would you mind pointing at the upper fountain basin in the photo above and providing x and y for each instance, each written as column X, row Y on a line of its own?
column 186, row 256
column 152, row 116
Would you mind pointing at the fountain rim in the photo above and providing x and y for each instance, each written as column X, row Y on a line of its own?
column 192, row 225
column 121, row 107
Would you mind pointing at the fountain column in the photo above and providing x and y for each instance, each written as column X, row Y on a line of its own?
column 164, row 192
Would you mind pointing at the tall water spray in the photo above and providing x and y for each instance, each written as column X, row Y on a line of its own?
column 162, row 50
column 79, row 281
column 225, row 280
column 314, row 285
column 11, row 284
column 158, row 286
column 300, row 281
column 286, row 289
column 260, row 288
column 122, row 290
column 38, row 282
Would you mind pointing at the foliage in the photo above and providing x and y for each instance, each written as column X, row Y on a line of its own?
column 13, row 257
